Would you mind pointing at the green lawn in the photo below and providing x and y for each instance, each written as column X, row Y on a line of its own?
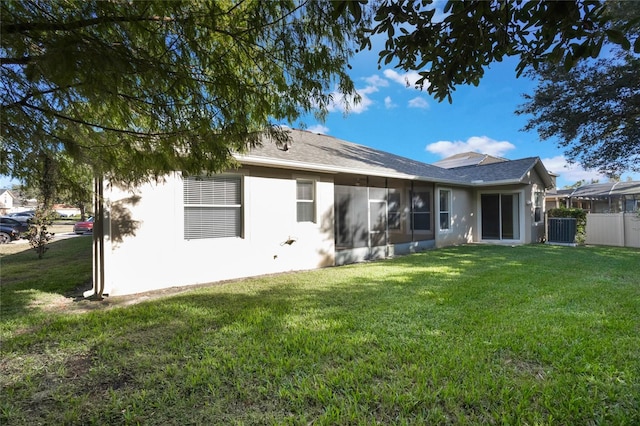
column 465, row 335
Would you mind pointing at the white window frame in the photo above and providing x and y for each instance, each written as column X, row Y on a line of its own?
column 447, row 211
column 238, row 207
column 311, row 201
column 538, row 203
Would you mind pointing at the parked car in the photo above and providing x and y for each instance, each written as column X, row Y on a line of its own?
column 82, row 227
column 23, row 216
column 8, row 234
column 21, row 227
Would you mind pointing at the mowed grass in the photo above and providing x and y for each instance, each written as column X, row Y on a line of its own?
column 463, row 335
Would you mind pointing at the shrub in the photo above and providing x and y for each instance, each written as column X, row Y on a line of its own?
column 38, row 233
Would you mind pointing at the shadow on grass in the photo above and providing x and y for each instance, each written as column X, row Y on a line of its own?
column 296, row 343
column 65, row 270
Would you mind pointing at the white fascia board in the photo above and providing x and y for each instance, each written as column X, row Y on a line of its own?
column 496, row 183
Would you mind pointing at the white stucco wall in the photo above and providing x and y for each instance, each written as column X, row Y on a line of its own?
column 148, row 251
column 462, row 220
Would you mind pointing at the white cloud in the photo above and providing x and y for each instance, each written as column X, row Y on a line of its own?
column 377, row 81
column 418, row 103
column 318, row 128
column 373, row 85
column 388, row 103
column 570, row 173
column 482, row 144
column 339, row 103
column 408, row 80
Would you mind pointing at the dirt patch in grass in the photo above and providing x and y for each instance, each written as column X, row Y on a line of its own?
column 76, row 302
column 523, row 367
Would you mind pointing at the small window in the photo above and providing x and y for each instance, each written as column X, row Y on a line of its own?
column 305, row 201
column 537, row 202
column 445, row 209
column 212, row 207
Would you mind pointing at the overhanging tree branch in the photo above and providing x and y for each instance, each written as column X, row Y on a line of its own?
column 101, row 127
column 27, row 27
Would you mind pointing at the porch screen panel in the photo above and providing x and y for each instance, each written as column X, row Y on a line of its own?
column 212, row 207
column 395, row 210
column 421, row 211
column 351, row 217
column 378, row 222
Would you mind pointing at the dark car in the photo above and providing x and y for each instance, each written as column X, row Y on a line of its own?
column 8, row 234
column 21, row 227
column 82, row 227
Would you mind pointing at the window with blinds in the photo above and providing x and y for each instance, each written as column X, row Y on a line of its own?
column 212, row 207
column 305, row 201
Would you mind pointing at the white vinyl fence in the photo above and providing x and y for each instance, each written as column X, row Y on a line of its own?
column 613, row 229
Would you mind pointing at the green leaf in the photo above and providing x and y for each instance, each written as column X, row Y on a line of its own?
column 339, row 6
column 617, row 37
column 595, row 50
column 636, row 45
column 569, row 61
column 356, row 12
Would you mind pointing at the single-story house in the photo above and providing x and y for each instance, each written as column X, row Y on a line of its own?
column 314, row 202
column 608, row 197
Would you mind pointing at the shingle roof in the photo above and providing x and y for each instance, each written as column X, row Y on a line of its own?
column 467, row 159
column 560, row 192
column 310, row 151
column 513, row 170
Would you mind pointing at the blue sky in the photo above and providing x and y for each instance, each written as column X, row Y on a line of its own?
column 396, row 117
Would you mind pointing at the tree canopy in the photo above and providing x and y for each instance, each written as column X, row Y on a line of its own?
column 138, row 89
column 455, row 47
column 133, row 90
column 593, row 109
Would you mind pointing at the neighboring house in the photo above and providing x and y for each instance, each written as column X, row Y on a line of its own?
column 317, row 201
column 65, row 210
column 609, row 197
column 6, row 201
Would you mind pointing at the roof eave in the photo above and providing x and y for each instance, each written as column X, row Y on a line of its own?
column 483, row 184
column 321, row 168
column 542, row 172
